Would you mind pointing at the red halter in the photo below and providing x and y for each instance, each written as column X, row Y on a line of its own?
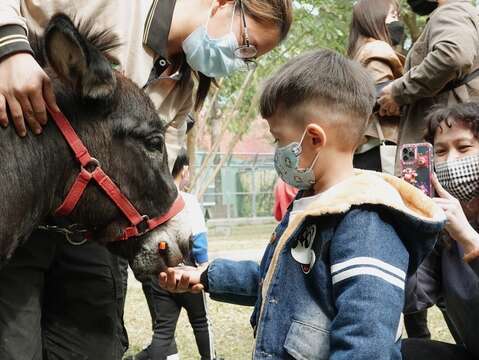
column 140, row 224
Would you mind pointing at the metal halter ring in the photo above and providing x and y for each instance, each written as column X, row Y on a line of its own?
column 91, row 165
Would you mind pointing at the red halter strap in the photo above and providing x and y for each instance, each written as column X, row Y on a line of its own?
column 91, row 170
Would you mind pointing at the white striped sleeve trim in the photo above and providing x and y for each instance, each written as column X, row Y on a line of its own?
column 10, row 39
column 365, row 270
column 368, row 261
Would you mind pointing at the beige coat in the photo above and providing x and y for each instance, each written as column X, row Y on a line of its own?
column 130, row 21
column 447, row 50
column 384, row 64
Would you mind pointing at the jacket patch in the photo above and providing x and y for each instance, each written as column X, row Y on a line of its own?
column 303, row 252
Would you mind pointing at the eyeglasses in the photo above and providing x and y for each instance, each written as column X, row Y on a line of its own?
column 247, row 51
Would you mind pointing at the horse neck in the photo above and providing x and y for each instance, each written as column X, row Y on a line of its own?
column 32, row 171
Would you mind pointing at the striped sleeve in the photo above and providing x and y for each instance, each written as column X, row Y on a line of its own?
column 368, row 269
column 13, row 39
column 13, row 29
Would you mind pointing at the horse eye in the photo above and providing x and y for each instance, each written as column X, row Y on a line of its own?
column 155, row 143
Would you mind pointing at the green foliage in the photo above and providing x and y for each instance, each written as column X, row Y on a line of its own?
column 317, row 24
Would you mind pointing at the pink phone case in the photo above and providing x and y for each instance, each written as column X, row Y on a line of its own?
column 417, row 166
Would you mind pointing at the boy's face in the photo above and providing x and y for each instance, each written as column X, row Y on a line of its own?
column 285, row 131
column 456, row 142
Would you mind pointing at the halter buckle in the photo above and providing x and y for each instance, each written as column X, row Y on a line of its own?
column 143, row 226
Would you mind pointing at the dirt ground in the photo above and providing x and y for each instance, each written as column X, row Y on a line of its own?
column 233, row 336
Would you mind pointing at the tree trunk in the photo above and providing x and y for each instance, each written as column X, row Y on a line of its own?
column 224, row 127
column 219, row 165
column 410, row 20
column 191, row 147
column 232, row 144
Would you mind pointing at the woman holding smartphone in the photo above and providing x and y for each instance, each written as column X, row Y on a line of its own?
column 451, row 273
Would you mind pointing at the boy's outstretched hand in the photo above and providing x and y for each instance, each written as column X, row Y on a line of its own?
column 182, row 279
column 457, row 224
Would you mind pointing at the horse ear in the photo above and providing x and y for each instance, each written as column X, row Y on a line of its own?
column 76, row 61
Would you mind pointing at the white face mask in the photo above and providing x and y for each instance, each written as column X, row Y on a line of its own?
column 460, row 177
column 212, row 57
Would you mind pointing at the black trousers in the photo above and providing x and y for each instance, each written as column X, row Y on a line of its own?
column 60, row 301
column 165, row 308
column 416, row 325
column 420, row 349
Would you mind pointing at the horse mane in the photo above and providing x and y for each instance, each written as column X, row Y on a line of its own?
column 102, row 39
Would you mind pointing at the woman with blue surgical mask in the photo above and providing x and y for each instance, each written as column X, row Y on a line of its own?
column 219, row 57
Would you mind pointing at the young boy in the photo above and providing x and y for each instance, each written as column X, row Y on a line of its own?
column 451, row 273
column 331, row 282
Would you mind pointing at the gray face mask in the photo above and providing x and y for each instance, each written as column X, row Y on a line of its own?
column 286, row 161
column 460, row 177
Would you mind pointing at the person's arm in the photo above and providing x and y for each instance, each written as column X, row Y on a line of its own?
column 455, row 44
column 13, row 29
column 200, row 233
column 379, row 70
column 235, row 282
column 24, row 87
column 368, row 267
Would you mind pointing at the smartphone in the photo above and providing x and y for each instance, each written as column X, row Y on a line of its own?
column 417, row 166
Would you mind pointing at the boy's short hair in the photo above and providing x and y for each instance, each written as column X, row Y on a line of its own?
column 465, row 113
column 326, row 79
column 181, row 161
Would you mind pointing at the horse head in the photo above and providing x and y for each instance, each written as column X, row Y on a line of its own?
column 118, row 124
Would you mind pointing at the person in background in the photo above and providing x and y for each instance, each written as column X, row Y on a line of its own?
column 375, row 31
column 164, row 46
column 284, row 195
column 165, row 307
column 331, row 282
column 451, row 274
column 440, row 67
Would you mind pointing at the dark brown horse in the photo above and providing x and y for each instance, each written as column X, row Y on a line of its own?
column 118, row 124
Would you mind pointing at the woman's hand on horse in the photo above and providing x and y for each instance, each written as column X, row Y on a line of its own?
column 181, row 279
column 25, row 89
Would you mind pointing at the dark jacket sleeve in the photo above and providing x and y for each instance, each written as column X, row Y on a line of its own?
column 13, row 39
column 235, row 282
column 453, row 46
column 474, row 264
column 368, row 267
column 424, row 287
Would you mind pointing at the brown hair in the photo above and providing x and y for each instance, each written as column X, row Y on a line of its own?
column 369, row 21
column 325, row 78
column 465, row 113
column 274, row 12
column 270, row 12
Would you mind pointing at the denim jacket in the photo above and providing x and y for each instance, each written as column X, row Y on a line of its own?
column 367, row 233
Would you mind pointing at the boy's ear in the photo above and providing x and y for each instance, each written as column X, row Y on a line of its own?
column 317, row 135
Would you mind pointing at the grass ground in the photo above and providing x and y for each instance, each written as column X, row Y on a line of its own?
column 232, row 332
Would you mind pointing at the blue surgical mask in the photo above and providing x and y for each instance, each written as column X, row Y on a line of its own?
column 286, row 161
column 212, row 57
